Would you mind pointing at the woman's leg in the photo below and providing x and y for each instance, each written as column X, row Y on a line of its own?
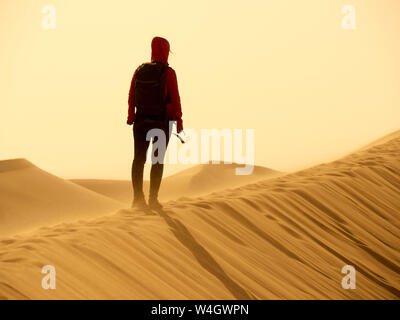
column 157, row 168
column 141, row 146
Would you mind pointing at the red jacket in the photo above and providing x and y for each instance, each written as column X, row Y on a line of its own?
column 159, row 52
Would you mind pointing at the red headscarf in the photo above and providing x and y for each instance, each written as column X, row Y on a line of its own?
column 159, row 50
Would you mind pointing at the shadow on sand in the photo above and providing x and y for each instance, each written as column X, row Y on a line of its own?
column 203, row 257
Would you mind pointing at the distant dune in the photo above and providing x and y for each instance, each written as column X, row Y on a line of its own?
column 31, row 198
column 197, row 181
column 281, row 238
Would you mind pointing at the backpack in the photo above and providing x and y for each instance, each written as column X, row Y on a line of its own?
column 150, row 91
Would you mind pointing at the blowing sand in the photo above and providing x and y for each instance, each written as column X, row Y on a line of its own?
column 197, row 181
column 282, row 238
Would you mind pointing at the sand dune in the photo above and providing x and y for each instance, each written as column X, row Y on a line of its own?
column 31, row 198
column 281, row 238
column 381, row 140
column 197, row 181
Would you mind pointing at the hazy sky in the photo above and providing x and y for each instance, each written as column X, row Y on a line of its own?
column 311, row 90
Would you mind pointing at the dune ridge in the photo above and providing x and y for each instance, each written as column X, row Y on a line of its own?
column 196, row 181
column 281, row 238
column 14, row 164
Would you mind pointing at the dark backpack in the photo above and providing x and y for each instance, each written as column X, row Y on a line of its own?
column 150, row 91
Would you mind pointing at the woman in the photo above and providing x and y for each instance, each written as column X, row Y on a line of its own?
column 153, row 102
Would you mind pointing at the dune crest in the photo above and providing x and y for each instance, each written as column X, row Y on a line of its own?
column 281, row 238
column 15, row 164
column 196, row 181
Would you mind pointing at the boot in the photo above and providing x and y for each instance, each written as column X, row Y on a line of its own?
column 154, row 203
column 139, row 203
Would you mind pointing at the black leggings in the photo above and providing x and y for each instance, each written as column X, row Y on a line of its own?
column 140, row 130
